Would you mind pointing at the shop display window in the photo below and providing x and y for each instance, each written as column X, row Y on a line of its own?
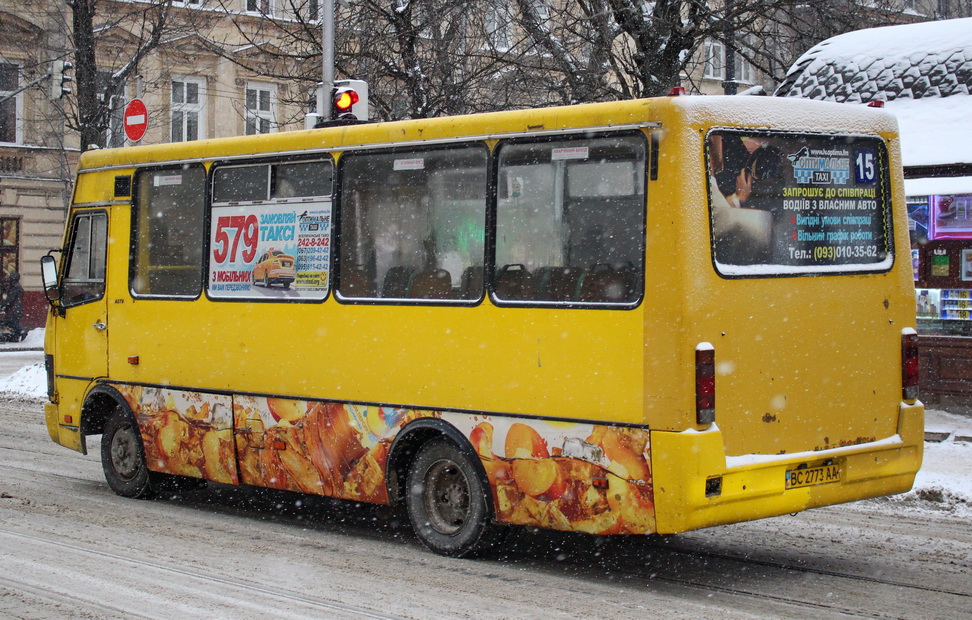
column 944, row 312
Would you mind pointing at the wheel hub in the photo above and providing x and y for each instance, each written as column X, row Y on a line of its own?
column 124, row 453
column 446, row 497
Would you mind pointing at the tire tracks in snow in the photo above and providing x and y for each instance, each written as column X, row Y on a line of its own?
column 245, row 588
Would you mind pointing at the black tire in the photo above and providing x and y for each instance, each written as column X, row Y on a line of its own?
column 286, row 285
column 448, row 503
column 123, row 457
column 266, row 280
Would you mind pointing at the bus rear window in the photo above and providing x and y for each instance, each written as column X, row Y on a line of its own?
column 798, row 204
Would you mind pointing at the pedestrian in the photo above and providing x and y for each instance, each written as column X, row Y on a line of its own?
column 13, row 308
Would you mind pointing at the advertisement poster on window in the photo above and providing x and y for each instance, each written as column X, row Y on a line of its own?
column 798, row 203
column 275, row 251
column 950, row 217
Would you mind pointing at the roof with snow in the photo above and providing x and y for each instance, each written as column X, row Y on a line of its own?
column 923, row 71
column 913, row 61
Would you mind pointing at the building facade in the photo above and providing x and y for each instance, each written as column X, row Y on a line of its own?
column 204, row 77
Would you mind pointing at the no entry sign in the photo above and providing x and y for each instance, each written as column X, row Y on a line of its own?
column 136, row 120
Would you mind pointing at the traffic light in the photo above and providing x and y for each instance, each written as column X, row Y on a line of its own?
column 60, row 78
column 349, row 100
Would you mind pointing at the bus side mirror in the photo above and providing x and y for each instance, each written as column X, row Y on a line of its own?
column 52, row 288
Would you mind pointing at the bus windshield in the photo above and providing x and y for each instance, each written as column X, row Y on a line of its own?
column 798, row 204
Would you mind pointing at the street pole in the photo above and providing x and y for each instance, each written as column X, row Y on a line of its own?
column 327, row 60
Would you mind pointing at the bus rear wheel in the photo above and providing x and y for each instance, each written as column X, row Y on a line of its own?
column 447, row 502
column 123, row 457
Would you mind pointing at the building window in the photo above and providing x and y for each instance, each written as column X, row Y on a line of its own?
column 715, row 60
column 260, row 109
column 9, row 245
column 9, row 82
column 264, row 7
column 188, row 109
column 498, row 26
column 745, row 72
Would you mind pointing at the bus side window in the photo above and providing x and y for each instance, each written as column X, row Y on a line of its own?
column 84, row 280
column 167, row 232
column 413, row 224
column 570, row 221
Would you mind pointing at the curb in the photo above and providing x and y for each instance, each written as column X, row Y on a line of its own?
column 940, row 437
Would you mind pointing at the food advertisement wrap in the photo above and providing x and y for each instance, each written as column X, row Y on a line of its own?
column 561, row 475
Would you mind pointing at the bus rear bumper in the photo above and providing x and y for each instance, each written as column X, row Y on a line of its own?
column 707, row 488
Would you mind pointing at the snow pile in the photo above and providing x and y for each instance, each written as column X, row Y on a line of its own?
column 34, row 340
column 945, row 479
column 29, row 381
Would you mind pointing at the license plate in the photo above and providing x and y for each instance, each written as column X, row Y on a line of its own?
column 810, row 476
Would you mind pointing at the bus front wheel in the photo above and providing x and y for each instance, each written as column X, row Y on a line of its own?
column 123, row 457
column 447, row 502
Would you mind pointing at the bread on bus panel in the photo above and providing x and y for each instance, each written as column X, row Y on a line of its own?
column 499, row 324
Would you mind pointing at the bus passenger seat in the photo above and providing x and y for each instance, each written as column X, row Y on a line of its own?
column 603, row 285
column 471, row 285
column 396, row 282
column 559, row 283
column 356, row 283
column 431, row 284
column 515, row 283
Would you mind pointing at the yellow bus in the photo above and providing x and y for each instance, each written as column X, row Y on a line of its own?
column 632, row 317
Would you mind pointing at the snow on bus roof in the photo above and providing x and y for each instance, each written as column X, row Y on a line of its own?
column 791, row 114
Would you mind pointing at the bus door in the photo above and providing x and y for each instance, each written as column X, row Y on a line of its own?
column 81, row 325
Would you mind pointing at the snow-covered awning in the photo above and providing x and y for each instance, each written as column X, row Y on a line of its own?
column 934, row 131
column 938, row 186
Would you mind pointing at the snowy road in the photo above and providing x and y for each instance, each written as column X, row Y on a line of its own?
column 70, row 548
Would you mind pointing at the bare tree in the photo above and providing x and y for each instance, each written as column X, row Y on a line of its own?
column 107, row 41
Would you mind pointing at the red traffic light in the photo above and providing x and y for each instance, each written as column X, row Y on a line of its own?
column 344, row 100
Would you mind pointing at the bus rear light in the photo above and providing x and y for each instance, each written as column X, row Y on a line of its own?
column 677, row 91
column 909, row 365
column 877, row 103
column 69, row 419
column 704, row 384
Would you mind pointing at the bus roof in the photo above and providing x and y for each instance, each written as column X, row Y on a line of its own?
column 695, row 111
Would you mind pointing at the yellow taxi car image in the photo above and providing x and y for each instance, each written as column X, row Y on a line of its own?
column 274, row 267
